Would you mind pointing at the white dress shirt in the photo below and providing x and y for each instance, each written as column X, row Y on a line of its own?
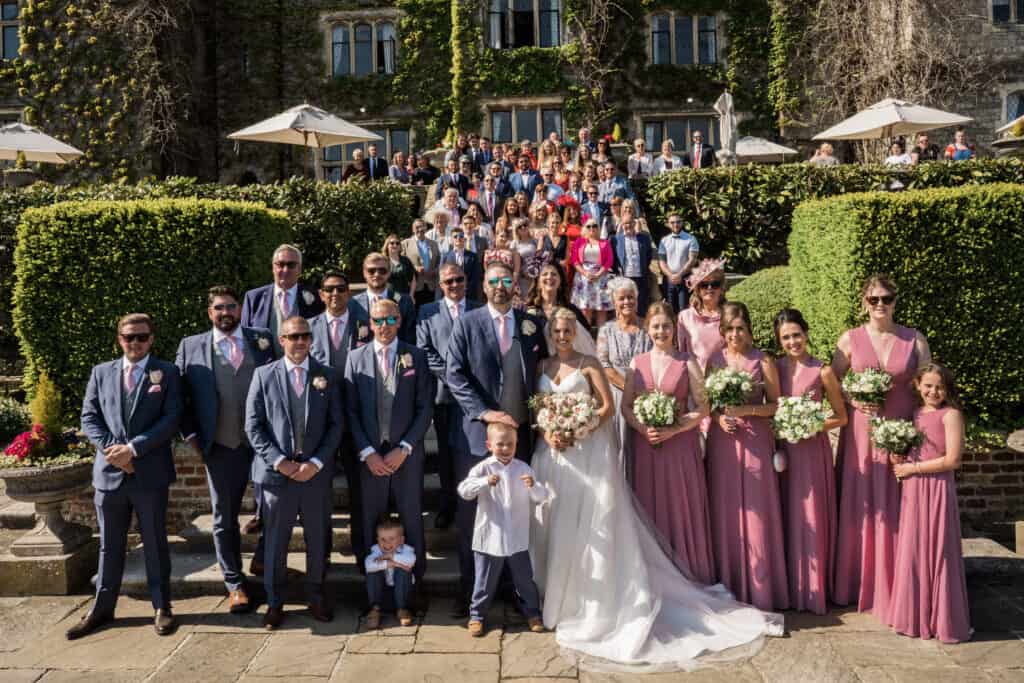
column 291, row 294
column 460, row 304
column 342, row 326
column 675, row 249
column 510, row 324
column 289, row 367
column 375, row 562
column 220, row 340
column 502, row 526
column 392, row 352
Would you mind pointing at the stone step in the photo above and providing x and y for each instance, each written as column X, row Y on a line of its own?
column 431, row 492
column 986, row 557
column 199, row 536
column 197, row 573
column 15, row 515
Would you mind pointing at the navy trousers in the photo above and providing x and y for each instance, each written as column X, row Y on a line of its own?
column 227, row 475
column 405, row 488
column 488, row 571
column 281, row 505
column 389, row 597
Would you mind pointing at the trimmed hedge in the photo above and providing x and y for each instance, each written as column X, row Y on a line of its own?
column 82, row 265
column 957, row 256
column 744, row 213
column 765, row 293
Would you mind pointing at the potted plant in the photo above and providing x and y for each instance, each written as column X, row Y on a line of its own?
column 45, row 465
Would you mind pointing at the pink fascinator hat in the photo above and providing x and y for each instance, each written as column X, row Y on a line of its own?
column 704, row 270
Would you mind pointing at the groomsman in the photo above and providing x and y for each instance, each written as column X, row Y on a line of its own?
column 336, row 331
column 432, row 332
column 267, row 306
column 216, row 369
column 293, row 418
column 130, row 414
column 467, row 261
column 376, row 271
column 389, row 394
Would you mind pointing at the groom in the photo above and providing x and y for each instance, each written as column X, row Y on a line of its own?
column 492, row 372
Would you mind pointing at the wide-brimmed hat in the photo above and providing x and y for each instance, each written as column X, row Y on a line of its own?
column 705, row 269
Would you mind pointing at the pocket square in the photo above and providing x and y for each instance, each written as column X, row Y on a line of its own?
column 409, row 373
column 536, row 348
column 155, row 389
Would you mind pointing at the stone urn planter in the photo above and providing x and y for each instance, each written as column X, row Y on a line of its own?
column 19, row 177
column 47, row 488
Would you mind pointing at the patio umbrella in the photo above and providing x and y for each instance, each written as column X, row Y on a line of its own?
column 34, row 144
column 890, row 118
column 726, row 126
column 752, row 149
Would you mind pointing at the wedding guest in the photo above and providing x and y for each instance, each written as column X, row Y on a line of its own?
column 489, row 198
column 869, row 495
column 959, row 150
column 565, row 156
column 479, row 233
column 402, row 274
column 823, row 156
column 397, row 170
column 356, row 171
column 546, row 153
column 667, row 160
column 533, row 252
column 743, row 490
column 923, row 151
column 451, row 206
column 592, row 259
column 130, row 415
column 619, row 341
column 633, row 251
column 583, row 140
column 523, row 200
column 697, row 331
column 538, row 218
column 808, row 482
column 612, row 184
column 425, row 173
column 929, row 592
column 505, row 491
column 677, row 255
column 574, row 188
column 525, row 179
column 639, row 165
column 376, row 168
column 603, row 152
column 267, row 306
column 897, row 155
column 549, row 293
column 468, row 263
column 596, row 209
column 668, row 463
column 389, row 578
column 564, row 232
column 701, row 155
column 425, row 256
column 376, row 273
column 509, row 212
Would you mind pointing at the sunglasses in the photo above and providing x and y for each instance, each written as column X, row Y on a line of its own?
column 224, row 307
column 298, row 336
column 389, row 320
column 140, row 337
column 591, row 194
column 458, row 236
column 505, row 282
column 377, row 271
column 711, row 284
column 331, row 289
column 454, row 281
column 286, row 265
column 875, row 300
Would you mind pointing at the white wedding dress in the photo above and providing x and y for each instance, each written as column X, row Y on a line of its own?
column 616, row 600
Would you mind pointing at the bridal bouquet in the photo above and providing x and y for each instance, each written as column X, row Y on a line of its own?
column 799, row 417
column 728, row 387
column 869, row 386
column 571, row 416
column 894, row 436
column 655, row 409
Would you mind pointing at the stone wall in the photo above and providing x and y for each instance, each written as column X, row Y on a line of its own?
column 990, row 488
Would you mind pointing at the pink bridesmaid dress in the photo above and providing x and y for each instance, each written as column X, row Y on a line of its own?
column 929, row 592
column 669, row 481
column 746, row 511
column 698, row 335
column 808, row 499
column 869, row 496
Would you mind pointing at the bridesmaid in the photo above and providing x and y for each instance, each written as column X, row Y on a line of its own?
column 669, row 482
column 697, row 332
column 929, row 592
column 808, row 484
column 869, row 497
column 746, row 510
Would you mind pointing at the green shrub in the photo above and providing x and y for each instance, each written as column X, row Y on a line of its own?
column 82, row 265
column 765, row 293
column 957, row 256
column 14, row 419
column 744, row 213
column 45, row 407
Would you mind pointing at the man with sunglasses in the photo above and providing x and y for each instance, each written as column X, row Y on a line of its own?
column 595, row 208
column 491, row 371
column 294, row 421
column 425, row 255
column 433, row 329
column 376, row 271
column 678, row 252
column 389, row 397
column 130, row 414
column 462, row 256
column 265, row 307
column 216, row 369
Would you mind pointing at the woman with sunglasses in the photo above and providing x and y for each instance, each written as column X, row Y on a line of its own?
column 533, row 252
column 592, row 259
column 403, row 274
column 869, row 500
column 697, row 327
column 604, row 151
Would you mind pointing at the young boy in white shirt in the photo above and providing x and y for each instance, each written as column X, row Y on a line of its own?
column 389, row 577
column 503, row 488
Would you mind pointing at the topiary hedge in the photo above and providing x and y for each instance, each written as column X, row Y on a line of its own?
column 765, row 293
column 82, row 265
column 957, row 256
column 744, row 213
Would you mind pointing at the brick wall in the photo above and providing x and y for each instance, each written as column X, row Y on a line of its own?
column 990, row 488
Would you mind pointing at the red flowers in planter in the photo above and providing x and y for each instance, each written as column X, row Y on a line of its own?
column 33, row 442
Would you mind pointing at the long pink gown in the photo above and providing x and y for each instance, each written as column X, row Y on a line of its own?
column 808, row 499
column 746, row 510
column 698, row 335
column 869, row 496
column 929, row 592
column 669, row 481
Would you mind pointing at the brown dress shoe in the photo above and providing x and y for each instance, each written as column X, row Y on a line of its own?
column 321, row 613
column 87, row 624
column 254, row 525
column 476, row 628
column 273, row 618
column 535, row 624
column 372, row 619
column 238, row 602
column 164, row 622
column 404, row 617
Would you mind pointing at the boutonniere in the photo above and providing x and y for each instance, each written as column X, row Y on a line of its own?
column 528, row 327
column 308, row 298
column 395, row 296
column 319, row 382
column 406, row 360
column 263, row 343
column 363, row 331
column 156, row 376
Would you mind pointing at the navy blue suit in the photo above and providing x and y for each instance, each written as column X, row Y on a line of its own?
column 410, row 417
column 528, row 186
column 152, row 425
column 460, row 183
column 407, row 331
column 646, row 248
column 268, row 424
column 258, row 305
column 474, row 272
column 227, row 469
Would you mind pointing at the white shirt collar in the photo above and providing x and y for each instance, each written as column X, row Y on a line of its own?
column 290, row 366
column 392, row 347
column 461, row 304
column 494, row 312
column 330, row 318
column 141, row 365
column 219, row 336
column 292, row 291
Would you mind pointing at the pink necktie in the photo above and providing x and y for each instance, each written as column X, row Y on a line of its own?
column 282, row 298
column 336, row 333
column 298, row 385
column 236, row 353
column 504, row 343
column 129, row 378
column 384, row 364
column 455, row 311
column 696, row 156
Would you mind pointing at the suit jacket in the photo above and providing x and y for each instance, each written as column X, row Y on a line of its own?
column 412, row 252
column 507, row 168
column 199, row 383
column 473, row 367
column 616, row 187
column 268, row 422
column 643, row 241
column 461, row 183
column 151, row 426
column 499, row 204
column 481, row 159
column 407, row 332
column 258, row 305
column 472, row 265
column 528, row 186
column 432, row 333
column 357, row 333
column 707, row 157
column 380, row 169
column 413, row 405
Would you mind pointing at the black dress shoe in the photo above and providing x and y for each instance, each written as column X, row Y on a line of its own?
column 443, row 520
column 253, row 526
column 273, row 618
column 255, row 567
column 87, row 624
column 164, row 622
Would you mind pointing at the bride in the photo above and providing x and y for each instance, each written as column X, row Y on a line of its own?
column 615, row 598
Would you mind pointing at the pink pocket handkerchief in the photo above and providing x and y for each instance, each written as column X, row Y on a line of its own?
column 409, row 373
column 155, row 389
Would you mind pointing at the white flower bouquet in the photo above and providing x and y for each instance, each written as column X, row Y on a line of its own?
column 799, row 417
column 570, row 416
column 728, row 387
column 869, row 386
column 655, row 409
column 895, row 436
